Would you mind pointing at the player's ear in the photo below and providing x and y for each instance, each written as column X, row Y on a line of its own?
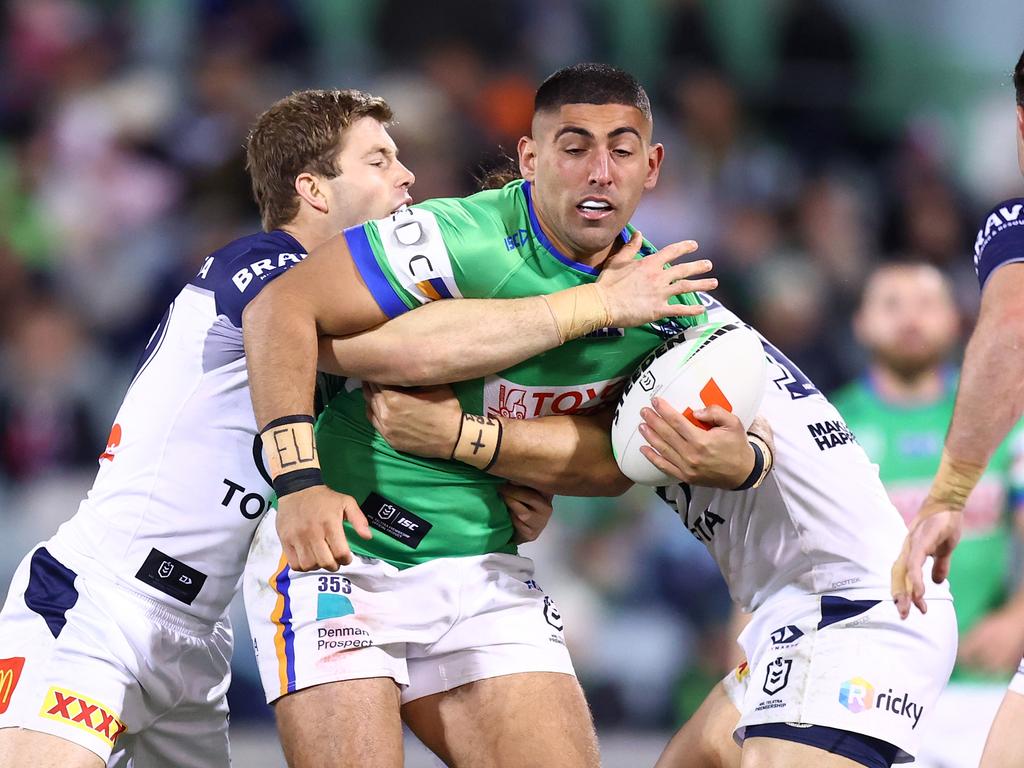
column 309, row 189
column 527, row 149
column 654, row 157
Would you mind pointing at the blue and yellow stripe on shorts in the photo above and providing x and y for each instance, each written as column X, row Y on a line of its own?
column 284, row 636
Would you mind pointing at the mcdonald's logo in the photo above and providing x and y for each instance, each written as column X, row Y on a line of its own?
column 10, row 672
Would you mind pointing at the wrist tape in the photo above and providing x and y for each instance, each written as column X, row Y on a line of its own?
column 578, row 311
column 954, row 481
column 292, row 458
column 479, row 441
column 764, row 460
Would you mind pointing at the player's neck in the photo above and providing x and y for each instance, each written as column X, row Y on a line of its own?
column 928, row 386
column 308, row 234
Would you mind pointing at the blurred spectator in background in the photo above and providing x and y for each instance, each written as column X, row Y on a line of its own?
column 900, row 411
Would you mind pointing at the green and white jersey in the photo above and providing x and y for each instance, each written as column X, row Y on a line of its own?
column 906, row 443
column 489, row 245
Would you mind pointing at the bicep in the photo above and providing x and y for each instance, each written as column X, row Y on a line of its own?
column 329, row 287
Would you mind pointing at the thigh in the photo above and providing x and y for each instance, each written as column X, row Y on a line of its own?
column 20, row 748
column 706, row 740
column 65, row 667
column 354, row 723
column 777, row 753
column 1004, row 747
column 528, row 720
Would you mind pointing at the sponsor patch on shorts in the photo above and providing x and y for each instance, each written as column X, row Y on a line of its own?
column 10, row 673
column 82, row 712
column 171, row 576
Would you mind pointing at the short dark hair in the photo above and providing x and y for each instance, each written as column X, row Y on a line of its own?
column 298, row 134
column 591, row 84
column 1018, row 80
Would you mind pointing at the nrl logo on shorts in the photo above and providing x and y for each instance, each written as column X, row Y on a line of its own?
column 551, row 614
column 777, row 676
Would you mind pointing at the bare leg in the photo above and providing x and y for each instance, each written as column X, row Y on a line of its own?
column 706, row 738
column 351, row 723
column 526, row 720
column 1004, row 746
column 21, row 748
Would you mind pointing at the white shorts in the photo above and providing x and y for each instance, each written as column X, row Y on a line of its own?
column 846, row 663
column 112, row 670
column 430, row 628
column 1017, row 682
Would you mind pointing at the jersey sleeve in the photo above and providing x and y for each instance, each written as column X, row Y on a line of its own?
column 424, row 253
column 1000, row 240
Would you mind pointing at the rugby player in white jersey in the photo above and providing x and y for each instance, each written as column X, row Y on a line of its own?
column 114, row 638
column 989, row 401
column 832, row 677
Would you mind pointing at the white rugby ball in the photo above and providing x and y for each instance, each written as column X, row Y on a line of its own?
column 721, row 363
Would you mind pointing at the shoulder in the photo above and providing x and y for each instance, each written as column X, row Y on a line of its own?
column 236, row 273
column 492, row 213
column 1000, row 239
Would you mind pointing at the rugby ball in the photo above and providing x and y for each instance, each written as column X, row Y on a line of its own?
column 718, row 363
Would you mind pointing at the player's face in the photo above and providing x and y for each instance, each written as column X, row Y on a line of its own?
column 908, row 320
column 372, row 182
column 588, row 164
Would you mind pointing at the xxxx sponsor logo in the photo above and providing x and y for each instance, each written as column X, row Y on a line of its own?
column 67, row 706
column 10, row 672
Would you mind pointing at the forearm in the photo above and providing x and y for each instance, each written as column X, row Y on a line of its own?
column 445, row 341
column 567, row 455
column 989, row 397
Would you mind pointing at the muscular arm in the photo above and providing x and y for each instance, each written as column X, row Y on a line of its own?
column 567, row 455
column 444, row 342
column 991, row 393
column 324, row 295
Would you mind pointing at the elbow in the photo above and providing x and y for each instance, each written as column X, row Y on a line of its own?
column 604, row 480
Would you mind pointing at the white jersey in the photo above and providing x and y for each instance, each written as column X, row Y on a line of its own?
column 181, row 485
column 820, row 522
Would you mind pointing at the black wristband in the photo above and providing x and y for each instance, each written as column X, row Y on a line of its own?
column 299, row 480
column 299, row 418
column 756, row 472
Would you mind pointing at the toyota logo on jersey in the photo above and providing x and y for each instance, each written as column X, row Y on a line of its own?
column 513, row 400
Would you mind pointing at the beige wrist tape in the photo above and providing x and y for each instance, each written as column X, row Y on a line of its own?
column 479, row 441
column 954, row 481
column 578, row 311
column 289, row 447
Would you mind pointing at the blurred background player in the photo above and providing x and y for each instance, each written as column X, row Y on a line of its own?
column 989, row 403
column 899, row 411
